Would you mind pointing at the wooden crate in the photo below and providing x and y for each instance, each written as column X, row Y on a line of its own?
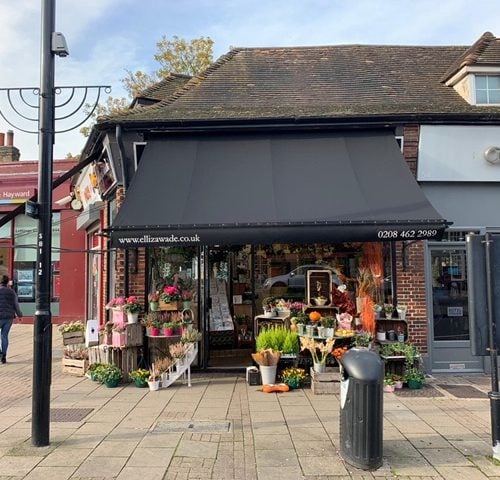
column 325, row 388
column 332, row 374
column 72, row 338
column 170, row 306
column 74, row 367
column 134, row 335
column 124, row 358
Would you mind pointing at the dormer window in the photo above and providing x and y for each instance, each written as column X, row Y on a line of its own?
column 487, row 89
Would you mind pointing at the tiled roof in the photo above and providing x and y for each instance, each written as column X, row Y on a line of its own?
column 485, row 52
column 327, row 82
column 164, row 88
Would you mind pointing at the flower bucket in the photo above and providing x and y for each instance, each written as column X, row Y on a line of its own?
column 414, row 384
column 154, row 306
column 294, row 383
column 155, row 385
column 389, row 388
column 319, row 367
column 132, row 317
column 141, row 383
column 112, row 383
column 301, row 328
column 119, row 317
column 268, row 374
column 168, row 331
column 398, row 385
column 321, row 332
column 154, row 332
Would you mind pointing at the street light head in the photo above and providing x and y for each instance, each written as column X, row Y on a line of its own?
column 59, row 45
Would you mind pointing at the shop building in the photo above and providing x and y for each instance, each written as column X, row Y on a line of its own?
column 278, row 158
column 18, row 183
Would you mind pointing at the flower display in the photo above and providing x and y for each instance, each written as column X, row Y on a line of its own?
column 296, row 308
column 132, row 305
column 117, row 302
column 319, row 350
column 177, row 350
column 170, row 293
column 293, row 377
column 68, row 327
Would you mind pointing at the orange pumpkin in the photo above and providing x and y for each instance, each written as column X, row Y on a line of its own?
column 315, row 316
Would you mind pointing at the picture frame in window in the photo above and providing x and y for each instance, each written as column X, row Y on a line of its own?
column 24, row 276
column 25, row 291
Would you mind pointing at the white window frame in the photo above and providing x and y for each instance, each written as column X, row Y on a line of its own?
column 474, row 88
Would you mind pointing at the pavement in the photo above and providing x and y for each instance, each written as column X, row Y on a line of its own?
column 222, row 428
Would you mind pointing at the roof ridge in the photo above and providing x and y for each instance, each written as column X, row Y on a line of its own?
column 470, row 56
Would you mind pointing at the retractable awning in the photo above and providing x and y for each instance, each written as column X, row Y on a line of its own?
column 265, row 188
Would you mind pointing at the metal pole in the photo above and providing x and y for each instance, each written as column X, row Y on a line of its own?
column 494, row 394
column 42, row 340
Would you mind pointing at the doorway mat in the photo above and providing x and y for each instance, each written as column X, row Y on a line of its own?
column 463, row 391
column 193, row 427
column 426, row 391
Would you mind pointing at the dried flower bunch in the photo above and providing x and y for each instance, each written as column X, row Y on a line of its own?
column 163, row 364
column 76, row 353
column 319, row 350
column 154, row 297
column 177, row 350
column 191, row 336
column 267, row 357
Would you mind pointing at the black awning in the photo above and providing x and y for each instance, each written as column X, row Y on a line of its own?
column 273, row 188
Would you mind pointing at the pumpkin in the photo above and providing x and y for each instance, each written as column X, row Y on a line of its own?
column 278, row 387
column 315, row 316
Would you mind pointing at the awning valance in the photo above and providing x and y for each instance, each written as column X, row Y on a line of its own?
column 265, row 188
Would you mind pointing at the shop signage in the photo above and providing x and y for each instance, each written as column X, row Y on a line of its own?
column 10, row 195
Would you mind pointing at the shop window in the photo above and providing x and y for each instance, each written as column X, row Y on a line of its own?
column 25, row 241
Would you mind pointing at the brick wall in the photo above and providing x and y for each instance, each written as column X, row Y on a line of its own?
column 411, row 277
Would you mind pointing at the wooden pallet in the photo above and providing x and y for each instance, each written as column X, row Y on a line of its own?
column 326, row 383
column 124, row 358
column 74, row 367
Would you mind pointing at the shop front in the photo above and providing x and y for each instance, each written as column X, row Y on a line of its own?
column 255, row 212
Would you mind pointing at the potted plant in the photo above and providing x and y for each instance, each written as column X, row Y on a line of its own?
column 187, row 298
column 132, row 308
column 363, row 339
column 177, row 352
column 149, row 319
column 140, row 377
column 324, row 349
column 154, row 379
column 377, row 308
column 169, row 298
column 154, row 301
column 162, row 366
column 110, row 375
column 119, row 336
column 168, row 329
column 106, row 333
column 293, row 377
column 398, row 381
column 91, row 370
column 401, row 309
column 268, row 364
column 414, row 377
column 116, row 306
column 388, row 310
column 191, row 336
column 388, row 384
column 328, row 322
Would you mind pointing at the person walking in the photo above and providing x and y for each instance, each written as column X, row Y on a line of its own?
column 9, row 309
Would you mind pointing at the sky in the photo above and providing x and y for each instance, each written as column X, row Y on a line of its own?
column 108, row 37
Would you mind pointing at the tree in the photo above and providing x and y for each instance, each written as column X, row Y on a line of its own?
column 174, row 56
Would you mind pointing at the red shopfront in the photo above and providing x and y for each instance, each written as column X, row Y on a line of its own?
column 18, row 182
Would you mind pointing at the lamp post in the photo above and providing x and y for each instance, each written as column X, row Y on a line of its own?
column 42, row 337
column 52, row 43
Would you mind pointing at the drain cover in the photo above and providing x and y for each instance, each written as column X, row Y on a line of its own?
column 463, row 391
column 193, row 426
column 425, row 391
column 68, row 414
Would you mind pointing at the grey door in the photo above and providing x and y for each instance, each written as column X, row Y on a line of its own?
column 449, row 325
